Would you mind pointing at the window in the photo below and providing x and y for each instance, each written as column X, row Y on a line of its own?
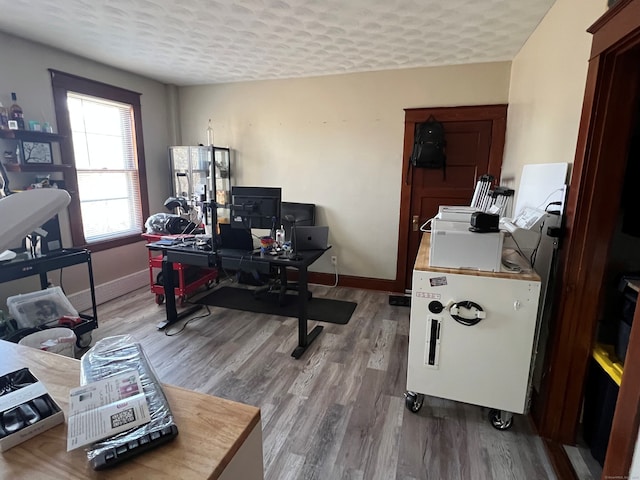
column 103, row 141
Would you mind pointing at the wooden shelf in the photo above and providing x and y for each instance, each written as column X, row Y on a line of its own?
column 30, row 135
column 36, row 167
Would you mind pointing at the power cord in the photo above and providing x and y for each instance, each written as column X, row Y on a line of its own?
column 184, row 325
column 335, row 284
column 424, row 225
column 561, row 189
column 534, row 254
column 479, row 313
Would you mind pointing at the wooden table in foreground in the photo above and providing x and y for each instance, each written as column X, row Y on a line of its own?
column 218, row 438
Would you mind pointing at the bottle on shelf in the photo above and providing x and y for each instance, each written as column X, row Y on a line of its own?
column 4, row 118
column 15, row 112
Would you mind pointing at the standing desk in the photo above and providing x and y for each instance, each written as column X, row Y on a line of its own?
column 191, row 255
column 217, row 438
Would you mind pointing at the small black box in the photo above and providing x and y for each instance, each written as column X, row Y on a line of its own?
column 482, row 222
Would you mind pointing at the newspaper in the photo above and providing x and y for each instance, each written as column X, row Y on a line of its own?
column 102, row 409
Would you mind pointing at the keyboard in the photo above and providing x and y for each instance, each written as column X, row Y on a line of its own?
column 112, row 356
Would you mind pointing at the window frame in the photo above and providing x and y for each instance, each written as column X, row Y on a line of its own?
column 62, row 83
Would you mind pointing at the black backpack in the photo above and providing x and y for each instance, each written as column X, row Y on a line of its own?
column 429, row 145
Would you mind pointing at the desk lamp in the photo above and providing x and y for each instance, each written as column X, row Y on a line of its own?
column 23, row 212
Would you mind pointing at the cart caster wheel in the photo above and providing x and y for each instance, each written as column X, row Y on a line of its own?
column 159, row 299
column 209, row 284
column 182, row 301
column 500, row 420
column 413, row 401
column 84, row 340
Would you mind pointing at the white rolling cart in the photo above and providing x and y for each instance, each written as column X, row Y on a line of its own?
column 472, row 337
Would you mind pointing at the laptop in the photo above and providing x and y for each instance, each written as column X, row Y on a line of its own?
column 309, row 238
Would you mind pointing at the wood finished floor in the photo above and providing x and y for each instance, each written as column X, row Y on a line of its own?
column 338, row 412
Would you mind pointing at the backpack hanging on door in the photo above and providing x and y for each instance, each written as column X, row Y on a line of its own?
column 429, row 145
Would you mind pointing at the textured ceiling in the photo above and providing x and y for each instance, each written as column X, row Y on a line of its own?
column 213, row 41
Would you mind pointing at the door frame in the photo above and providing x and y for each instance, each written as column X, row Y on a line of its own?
column 600, row 161
column 496, row 113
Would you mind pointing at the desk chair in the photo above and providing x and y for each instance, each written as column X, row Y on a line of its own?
column 303, row 214
column 292, row 214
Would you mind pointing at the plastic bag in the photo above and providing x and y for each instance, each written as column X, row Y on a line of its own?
column 115, row 355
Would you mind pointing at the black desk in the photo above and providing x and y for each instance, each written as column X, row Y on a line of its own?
column 24, row 265
column 193, row 256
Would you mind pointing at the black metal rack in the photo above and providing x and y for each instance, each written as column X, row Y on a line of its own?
column 24, row 265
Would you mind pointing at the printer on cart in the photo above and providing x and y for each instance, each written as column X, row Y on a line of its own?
column 453, row 245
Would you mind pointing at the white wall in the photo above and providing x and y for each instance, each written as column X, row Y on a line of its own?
column 335, row 141
column 548, row 77
column 24, row 70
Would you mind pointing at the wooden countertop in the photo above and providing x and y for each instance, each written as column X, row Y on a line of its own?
column 211, row 430
column 422, row 263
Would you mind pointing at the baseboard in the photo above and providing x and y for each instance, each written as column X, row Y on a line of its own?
column 353, row 282
column 110, row 290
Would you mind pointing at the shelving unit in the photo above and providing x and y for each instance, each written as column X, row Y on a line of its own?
column 222, row 183
column 604, row 377
column 57, row 259
column 37, row 168
column 61, row 169
column 30, row 135
column 195, row 171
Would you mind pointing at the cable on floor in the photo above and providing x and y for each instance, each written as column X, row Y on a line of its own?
column 184, row 325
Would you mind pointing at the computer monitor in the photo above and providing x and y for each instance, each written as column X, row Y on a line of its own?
column 255, row 207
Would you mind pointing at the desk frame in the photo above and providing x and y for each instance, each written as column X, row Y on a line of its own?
column 193, row 256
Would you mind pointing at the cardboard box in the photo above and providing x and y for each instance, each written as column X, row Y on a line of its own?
column 26, row 408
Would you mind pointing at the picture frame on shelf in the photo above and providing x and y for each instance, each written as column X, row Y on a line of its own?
column 36, row 153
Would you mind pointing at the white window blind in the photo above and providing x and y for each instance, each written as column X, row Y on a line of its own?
column 107, row 168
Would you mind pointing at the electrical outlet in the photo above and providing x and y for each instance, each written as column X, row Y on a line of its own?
column 334, row 259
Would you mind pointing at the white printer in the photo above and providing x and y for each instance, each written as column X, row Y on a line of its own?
column 453, row 245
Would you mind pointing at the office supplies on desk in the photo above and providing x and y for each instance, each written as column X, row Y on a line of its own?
column 109, row 357
column 310, row 238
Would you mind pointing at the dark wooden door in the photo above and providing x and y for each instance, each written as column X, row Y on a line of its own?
column 475, row 141
column 468, row 146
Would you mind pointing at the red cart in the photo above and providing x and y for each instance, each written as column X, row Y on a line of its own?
column 189, row 278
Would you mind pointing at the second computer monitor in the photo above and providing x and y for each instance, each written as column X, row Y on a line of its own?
column 255, row 207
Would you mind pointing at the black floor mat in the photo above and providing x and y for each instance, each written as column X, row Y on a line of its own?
column 319, row 309
column 400, row 300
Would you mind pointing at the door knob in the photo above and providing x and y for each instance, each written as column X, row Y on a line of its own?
column 415, row 223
